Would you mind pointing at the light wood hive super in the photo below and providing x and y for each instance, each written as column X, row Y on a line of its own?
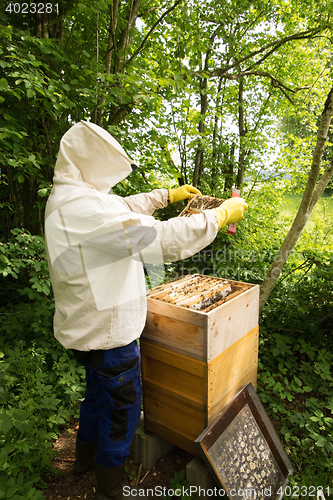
column 199, row 348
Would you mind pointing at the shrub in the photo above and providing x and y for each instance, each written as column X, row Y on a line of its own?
column 40, row 382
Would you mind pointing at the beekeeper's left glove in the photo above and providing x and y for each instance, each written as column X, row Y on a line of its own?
column 182, row 193
column 230, row 211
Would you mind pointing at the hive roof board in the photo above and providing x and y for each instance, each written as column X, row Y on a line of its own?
column 243, row 451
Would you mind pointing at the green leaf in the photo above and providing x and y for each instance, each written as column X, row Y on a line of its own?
column 11, row 491
column 3, row 84
column 6, row 423
column 330, row 405
column 43, row 192
column 321, row 441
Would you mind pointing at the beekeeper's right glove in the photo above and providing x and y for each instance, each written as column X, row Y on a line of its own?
column 230, row 211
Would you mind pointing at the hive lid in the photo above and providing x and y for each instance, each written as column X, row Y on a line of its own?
column 243, row 450
column 199, row 203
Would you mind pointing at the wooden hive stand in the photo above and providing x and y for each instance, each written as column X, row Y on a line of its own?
column 199, row 348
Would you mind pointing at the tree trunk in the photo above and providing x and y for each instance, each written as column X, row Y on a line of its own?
column 199, row 156
column 242, row 134
column 216, row 145
column 99, row 110
column 312, row 193
column 124, row 40
column 229, row 169
column 117, row 48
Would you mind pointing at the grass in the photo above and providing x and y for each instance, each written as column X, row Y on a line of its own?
column 318, row 232
column 324, row 206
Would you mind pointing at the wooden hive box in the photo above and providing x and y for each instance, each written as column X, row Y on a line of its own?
column 199, row 348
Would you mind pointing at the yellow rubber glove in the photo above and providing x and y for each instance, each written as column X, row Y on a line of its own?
column 182, row 193
column 230, row 211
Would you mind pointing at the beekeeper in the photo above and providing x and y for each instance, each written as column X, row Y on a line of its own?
column 97, row 244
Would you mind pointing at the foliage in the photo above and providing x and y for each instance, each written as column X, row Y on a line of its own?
column 209, row 91
column 295, row 384
column 180, row 487
column 40, row 382
column 193, row 90
column 295, row 381
column 23, row 258
column 296, row 359
column 247, row 255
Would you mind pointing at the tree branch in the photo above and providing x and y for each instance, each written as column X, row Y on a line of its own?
column 280, row 44
column 141, row 46
column 275, row 45
column 266, row 74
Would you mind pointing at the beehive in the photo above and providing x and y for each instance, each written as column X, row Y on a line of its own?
column 199, row 348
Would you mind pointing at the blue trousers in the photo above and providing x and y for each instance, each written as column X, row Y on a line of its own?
column 112, row 405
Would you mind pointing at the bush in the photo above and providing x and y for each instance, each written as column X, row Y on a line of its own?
column 40, row 382
column 295, row 380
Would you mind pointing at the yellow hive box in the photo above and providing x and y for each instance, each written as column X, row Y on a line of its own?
column 199, row 348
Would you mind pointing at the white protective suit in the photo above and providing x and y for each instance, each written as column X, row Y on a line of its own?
column 97, row 242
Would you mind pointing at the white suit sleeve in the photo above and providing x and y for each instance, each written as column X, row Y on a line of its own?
column 147, row 203
column 182, row 237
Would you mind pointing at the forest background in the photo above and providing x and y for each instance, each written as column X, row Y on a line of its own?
column 216, row 94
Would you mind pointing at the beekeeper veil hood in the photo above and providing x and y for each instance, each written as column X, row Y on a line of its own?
column 89, row 154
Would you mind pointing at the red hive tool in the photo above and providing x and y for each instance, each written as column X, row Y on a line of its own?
column 232, row 227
